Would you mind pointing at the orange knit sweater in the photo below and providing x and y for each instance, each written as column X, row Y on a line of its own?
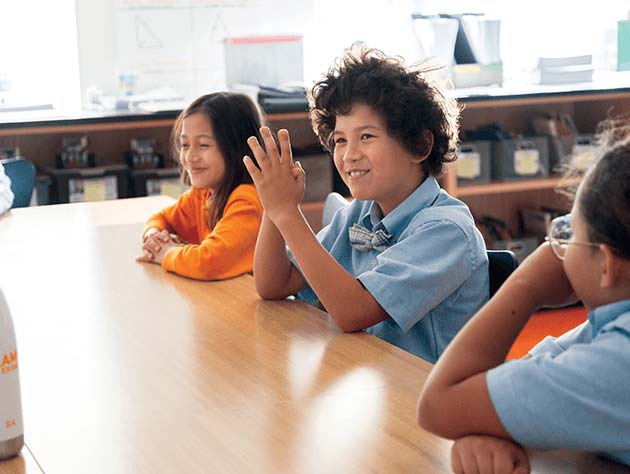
column 212, row 254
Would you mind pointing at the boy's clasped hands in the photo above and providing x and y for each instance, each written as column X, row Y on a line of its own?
column 156, row 243
column 279, row 181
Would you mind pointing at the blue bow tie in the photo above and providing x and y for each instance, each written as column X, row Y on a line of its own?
column 363, row 240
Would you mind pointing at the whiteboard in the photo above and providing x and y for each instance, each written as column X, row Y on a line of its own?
column 181, row 43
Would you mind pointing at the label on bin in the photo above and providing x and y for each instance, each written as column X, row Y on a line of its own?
column 165, row 187
column 469, row 165
column 88, row 190
column 526, row 162
column 583, row 157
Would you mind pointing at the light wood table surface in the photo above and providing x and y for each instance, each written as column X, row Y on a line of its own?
column 128, row 369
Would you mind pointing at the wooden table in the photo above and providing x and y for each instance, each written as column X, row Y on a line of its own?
column 128, row 369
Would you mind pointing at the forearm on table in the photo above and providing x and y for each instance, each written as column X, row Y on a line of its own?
column 537, row 282
column 489, row 336
column 227, row 251
column 275, row 276
column 202, row 262
column 351, row 306
column 455, row 400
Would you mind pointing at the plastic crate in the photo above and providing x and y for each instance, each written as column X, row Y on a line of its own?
column 152, row 182
column 474, row 160
column 521, row 158
column 89, row 184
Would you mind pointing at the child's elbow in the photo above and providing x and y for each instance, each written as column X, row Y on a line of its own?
column 349, row 327
column 267, row 292
column 432, row 417
column 346, row 321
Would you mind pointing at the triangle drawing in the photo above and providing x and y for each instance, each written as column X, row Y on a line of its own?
column 145, row 37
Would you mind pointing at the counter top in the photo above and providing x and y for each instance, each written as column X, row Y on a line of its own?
column 605, row 85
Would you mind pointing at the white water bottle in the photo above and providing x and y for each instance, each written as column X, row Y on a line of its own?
column 11, row 429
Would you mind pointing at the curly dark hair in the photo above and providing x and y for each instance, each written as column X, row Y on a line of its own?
column 408, row 102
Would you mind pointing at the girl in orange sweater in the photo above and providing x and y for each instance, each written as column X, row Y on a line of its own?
column 210, row 232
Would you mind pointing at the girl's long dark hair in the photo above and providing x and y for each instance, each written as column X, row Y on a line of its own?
column 234, row 118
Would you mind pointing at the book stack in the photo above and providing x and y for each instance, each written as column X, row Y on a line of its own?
column 565, row 70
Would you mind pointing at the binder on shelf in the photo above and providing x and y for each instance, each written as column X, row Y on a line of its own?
column 562, row 134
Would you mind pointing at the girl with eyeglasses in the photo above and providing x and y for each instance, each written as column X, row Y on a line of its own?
column 572, row 392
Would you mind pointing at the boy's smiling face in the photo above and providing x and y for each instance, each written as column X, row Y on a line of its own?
column 373, row 164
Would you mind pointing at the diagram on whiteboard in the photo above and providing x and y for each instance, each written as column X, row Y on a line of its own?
column 145, row 37
column 180, row 43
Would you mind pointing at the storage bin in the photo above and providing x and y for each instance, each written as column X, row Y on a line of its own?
column 521, row 246
column 474, row 160
column 41, row 191
column 583, row 154
column 520, row 158
column 89, row 184
column 152, row 182
column 536, row 221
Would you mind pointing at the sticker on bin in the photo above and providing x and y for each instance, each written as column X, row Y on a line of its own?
column 89, row 190
column 583, row 153
column 166, row 187
column 526, row 159
column 468, row 163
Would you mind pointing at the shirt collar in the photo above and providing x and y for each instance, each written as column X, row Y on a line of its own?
column 394, row 222
column 602, row 315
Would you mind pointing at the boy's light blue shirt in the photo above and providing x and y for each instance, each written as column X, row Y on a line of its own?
column 432, row 278
column 575, row 391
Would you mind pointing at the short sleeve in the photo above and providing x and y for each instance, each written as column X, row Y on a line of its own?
column 421, row 270
column 576, row 400
column 581, row 333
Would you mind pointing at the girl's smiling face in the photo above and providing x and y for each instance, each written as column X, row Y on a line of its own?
column 199, row 153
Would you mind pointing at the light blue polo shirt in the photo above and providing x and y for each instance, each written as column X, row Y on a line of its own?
column 574, row 392
column 432, row 278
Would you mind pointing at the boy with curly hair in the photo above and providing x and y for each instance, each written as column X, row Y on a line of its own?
column 404, row 260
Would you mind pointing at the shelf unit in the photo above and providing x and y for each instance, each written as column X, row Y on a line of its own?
column 505, row 187
column 109, row 135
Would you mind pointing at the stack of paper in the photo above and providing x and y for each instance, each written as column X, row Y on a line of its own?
column 564, row 70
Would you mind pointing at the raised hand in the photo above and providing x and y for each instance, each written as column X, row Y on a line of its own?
column 279, row 181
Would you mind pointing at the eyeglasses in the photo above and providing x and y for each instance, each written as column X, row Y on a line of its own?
column 560, row 234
